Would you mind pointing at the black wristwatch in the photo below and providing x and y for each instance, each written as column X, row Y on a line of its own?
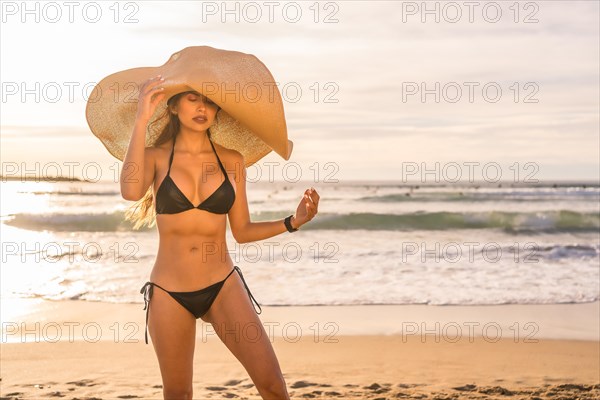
column 288, row 224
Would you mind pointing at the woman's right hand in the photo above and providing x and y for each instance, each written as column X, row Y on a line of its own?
column 147, row 104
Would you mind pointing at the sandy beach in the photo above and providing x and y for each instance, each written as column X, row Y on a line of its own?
column 101, row 357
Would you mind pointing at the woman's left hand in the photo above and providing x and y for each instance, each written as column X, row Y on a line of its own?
column 307, row 209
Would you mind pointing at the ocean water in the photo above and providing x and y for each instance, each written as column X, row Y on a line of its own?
column 371, row 243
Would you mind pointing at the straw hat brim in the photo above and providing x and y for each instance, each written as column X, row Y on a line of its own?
column 251, row 119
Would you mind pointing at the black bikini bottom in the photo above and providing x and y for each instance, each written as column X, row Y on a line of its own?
column 197, row 302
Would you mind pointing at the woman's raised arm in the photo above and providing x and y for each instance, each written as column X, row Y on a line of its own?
column 137, row 172
column 244, row 231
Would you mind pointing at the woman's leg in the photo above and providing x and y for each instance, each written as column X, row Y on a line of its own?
column 173, row 332
column 237, row 325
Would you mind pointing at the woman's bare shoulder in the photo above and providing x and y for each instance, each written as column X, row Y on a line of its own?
column 232, row 159
column 227, row 154
column 159, row 151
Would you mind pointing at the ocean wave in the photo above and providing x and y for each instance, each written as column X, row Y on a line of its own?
column 526, row 222
column 457, row 196
column 70, row 193
column 107, row 222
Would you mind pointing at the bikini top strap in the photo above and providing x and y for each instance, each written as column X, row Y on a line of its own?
column 172, row 154
column 218, row 159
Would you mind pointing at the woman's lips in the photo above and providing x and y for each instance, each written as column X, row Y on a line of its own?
column 200, row 120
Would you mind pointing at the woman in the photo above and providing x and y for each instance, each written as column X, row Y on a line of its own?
column 191, row 203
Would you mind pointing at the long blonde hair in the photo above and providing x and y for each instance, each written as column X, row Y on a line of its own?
column 142, row 212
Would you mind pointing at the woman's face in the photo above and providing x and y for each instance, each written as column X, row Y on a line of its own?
column 196, row 111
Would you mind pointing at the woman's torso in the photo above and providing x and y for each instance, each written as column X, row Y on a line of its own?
column 192, row 250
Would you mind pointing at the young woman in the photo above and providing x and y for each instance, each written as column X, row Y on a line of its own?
column 196, row 183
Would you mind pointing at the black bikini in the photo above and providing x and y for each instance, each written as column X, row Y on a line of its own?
column 170, row 200
column 197, row 302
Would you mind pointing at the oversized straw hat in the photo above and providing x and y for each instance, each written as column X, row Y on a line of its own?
column 251, row 119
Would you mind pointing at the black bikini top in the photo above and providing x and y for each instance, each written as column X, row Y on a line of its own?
column 170, row 200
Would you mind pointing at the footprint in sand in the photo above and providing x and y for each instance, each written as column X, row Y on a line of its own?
column 407, row 385
column 227, row 395
column 232, row 382
column 12, row 394
column 82, row 382
column 301, row 384
column 571, row 386
column 86, row 398
column 377, row 388
column 466, row 388
column 496, row 390
column 218, row 388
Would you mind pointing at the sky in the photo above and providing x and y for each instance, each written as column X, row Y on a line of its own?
column 389, row 89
